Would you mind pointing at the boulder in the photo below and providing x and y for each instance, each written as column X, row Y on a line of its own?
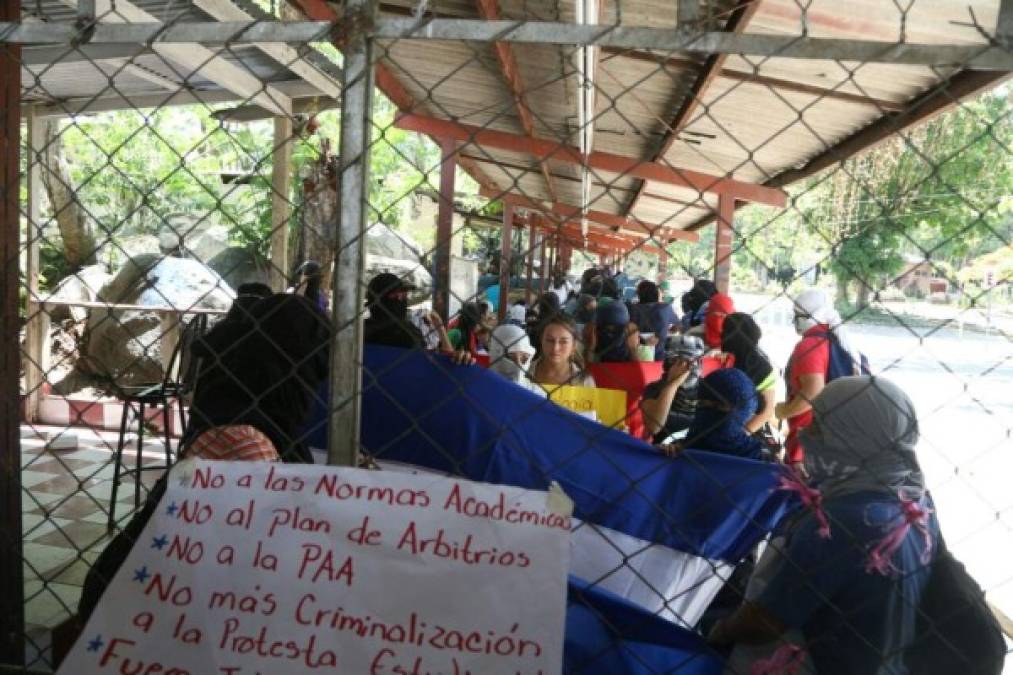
column 384, row 242
column 238, row 265
column 126, row 345
column 182, row 233
column 82, row 286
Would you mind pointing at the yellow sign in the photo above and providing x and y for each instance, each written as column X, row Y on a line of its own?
column 608, row 405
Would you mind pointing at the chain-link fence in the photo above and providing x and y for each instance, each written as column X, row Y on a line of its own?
column 681, row 220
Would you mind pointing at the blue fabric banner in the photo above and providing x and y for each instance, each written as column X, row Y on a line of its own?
column 420, row 409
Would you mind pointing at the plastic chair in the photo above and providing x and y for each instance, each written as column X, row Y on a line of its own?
column 139, row 398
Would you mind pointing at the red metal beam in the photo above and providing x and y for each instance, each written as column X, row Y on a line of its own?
column 744, row 11
column 602, row 161
column 12, row 608
column 570, row 212
column 444, row 230
column 489, row 10
column 723, row 243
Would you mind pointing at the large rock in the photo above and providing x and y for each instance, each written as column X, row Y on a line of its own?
column 184, row 233
column 82, row 286
column 238, row 265
column 126, row 345
column 384, row 242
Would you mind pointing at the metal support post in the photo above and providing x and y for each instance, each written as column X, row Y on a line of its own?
column 505, row 260
column 346, row 348
column 723, row 242
column 444, row 230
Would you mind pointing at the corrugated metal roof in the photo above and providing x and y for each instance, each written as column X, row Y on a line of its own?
column 759, row 117
column 72, row 75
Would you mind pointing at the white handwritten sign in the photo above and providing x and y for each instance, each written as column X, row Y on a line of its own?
column 256, row 568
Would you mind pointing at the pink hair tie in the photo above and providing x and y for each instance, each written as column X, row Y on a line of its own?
column 811, row 498
column 914, row 515
column 785, row 661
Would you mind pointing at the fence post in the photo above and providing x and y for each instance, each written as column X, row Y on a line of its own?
column 37, row 328
column 12, row 617
column 346, row 348
column 531, row 258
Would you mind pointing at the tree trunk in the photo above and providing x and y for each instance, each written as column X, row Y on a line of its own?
column 864, row 290
column 842, row 290
column 75, row 229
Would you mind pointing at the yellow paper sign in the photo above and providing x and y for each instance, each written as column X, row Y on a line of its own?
column 608, row 405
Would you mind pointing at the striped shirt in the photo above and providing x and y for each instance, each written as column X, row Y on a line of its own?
column 242, row 443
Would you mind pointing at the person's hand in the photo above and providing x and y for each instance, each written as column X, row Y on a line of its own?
column 652, row 341
column 434, row 320
column 462, row 357
column 679, row 372
column 779, row 410
column 671, row 449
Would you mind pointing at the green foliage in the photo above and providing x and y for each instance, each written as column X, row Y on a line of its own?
column 939, row 192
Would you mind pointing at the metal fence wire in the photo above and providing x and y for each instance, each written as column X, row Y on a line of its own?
column 567, row 192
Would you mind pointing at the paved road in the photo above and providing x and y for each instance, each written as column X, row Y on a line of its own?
column 962, row 387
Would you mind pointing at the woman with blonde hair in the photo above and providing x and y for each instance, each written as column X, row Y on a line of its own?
column 560, row 361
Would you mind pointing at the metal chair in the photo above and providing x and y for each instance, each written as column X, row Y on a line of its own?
column 176, row 385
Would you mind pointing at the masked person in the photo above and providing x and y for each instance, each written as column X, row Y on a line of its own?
column 718, row 308
column 740, row 337
column 843, row 583
column 808, row 370
column 390, row 325
column 725, row 401
column 615, row 337
column 510, row 354
column 669, row 404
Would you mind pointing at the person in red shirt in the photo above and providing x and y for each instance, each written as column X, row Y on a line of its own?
column 815, row 319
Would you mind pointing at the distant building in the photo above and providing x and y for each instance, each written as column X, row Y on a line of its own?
column 919, row 278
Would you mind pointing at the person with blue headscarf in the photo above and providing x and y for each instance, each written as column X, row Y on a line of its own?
column 726, row 400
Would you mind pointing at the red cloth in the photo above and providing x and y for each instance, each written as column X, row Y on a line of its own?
column 709, row 364
column 810, row 357
column 631, row 377
column 718, row 307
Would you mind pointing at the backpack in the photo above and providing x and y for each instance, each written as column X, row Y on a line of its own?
column 955, row 631
column 842, row 364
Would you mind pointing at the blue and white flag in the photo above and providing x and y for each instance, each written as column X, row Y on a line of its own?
column 658, row 532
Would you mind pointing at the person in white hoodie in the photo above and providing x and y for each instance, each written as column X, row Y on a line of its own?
column 510, row 354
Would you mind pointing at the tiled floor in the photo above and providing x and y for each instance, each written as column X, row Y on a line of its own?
column 65, row 505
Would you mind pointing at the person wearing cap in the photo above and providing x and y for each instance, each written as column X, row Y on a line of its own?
column 510, row 354
column 389, row 323
column 669, row 404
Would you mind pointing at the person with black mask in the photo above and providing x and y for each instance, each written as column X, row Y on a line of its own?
column 263, row 373
column 740, row 337
column 388, row 323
